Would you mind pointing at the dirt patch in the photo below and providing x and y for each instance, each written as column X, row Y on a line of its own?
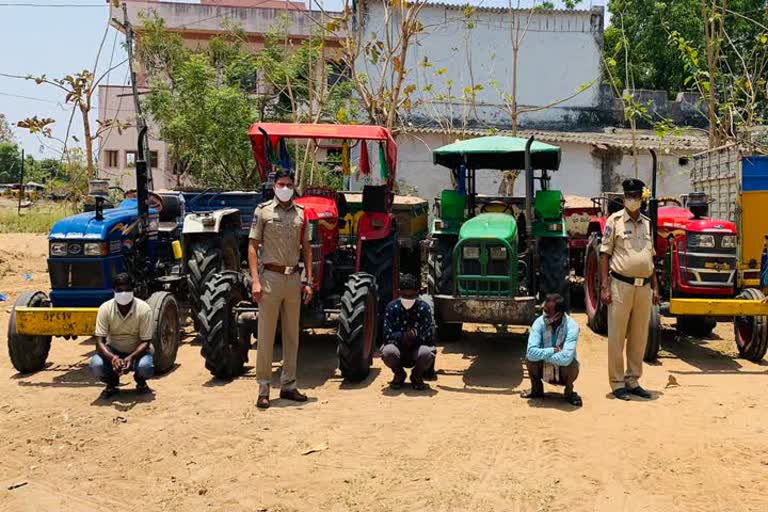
column 469, row 444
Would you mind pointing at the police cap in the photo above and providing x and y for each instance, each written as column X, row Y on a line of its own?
column 632, row 185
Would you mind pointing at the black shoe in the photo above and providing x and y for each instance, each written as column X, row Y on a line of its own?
column 532, row 393
column 638, row 391
column 142, row 388
column 398, row 381
column 622, row 394
column 108, row 392
column 573, row 398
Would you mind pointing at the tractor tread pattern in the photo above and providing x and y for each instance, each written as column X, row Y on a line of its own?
column 163, row 359
column 755, row 350
column 353, row 362
column 554, row 266
column 597, row 320
column 224, row 356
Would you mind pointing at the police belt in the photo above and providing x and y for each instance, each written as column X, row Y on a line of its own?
column 280, row 269
column 634, row 281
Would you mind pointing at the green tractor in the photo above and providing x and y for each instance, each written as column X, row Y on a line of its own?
column 492, row 258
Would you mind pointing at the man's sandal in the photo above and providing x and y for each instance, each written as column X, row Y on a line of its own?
column 574, row 399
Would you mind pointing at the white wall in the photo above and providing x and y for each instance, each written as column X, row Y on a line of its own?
column 580, row 171
column 560, row 53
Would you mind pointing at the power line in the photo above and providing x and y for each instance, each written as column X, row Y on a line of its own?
column 49, row 5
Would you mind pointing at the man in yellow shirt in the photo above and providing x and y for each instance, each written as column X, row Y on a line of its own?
column 123, row 336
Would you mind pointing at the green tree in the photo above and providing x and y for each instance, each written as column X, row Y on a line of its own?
column 10, row 158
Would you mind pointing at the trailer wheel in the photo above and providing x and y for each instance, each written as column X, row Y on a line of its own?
column 554, row 267
column 654, row 335
column 223, row 350
column 440, row 263
column 696, row 326
column 28, row 353
column 167, row 330
column 597, row 312
column 207, row 256
column 358, row 326
column 751, row 331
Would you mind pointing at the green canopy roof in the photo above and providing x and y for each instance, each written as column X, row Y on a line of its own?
column 497, row 152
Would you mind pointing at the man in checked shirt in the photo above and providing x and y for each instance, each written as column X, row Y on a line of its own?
column 408, row 336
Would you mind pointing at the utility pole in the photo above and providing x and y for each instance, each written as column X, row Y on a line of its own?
column 21, row 183
column 140, row 122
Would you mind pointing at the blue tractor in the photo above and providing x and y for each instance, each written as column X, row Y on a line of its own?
column 168, row 253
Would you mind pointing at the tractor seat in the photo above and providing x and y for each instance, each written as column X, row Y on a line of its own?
column 452, row 204
column 375, row 198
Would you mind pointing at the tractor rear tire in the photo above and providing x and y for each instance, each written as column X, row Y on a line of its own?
column 654, row 335
column 358, row 326
column 554, row 267
column 378, row 259
column 28, row 352
column 209, row 255
column 751, row 331
column 597, row 312
column 166, row 331
column 696, row 326
column 440, row 263
column 224, row 351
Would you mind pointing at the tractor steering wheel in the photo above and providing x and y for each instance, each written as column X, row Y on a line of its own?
column 506, row 208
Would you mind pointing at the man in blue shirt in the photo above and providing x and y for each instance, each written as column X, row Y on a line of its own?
column 408, row 335
column 551, row 354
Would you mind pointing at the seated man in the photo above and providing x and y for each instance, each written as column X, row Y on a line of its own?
column 123, row 336
column 551, row 352
column 408, row 335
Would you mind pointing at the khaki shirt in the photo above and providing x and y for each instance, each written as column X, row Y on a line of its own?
column 124, row 333
column 278, row 229
column 628, row 243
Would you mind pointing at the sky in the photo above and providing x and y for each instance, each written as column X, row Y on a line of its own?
column 37, row 37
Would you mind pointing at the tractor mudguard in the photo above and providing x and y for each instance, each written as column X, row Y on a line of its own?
column 210, row 222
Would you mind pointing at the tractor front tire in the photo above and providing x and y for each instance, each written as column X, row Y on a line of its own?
column 597, row 312
column 223, row 349
column 440, row 263
column 751, row 331
column 209, row 255
column 358, row 326
column 696, row 326
column 654, row 335
column 553, row 253
column 378, row 259
column 166, row 333
column 28, row 353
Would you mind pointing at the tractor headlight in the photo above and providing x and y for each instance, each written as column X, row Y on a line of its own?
column 728, row 242
column 95, row 249
column 498, row 253
column 74, row 249
column 58, row 248
column 471, row 253
column 706, row 241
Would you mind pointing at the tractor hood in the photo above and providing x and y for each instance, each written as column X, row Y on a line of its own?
column 85, row 225
column 497, row 226
column 675, row 217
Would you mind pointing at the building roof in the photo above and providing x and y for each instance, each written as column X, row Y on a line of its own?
column 619, row 138
column 459, row 6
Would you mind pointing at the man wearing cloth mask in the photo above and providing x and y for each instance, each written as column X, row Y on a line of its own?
column 408, row 335
column 123, row 336
column 280, row 230
column 629, row 288
column 551, row 354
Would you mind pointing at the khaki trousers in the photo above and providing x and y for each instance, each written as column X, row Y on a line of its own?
column 281, row 297
column 628, row 315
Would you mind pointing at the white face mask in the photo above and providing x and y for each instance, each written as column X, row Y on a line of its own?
column 284, row 194
column 632, row 205
column 123, row 298
column 407, row 303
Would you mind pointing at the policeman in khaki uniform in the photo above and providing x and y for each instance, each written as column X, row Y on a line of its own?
column 279, row 227
column 629, row 288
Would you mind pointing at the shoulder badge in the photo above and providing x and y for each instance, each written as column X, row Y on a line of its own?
column 608, row 230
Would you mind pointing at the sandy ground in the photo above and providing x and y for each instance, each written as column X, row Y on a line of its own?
column 469, row 444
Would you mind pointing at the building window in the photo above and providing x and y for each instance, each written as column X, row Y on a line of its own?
column 111, row 158
column 130, row 159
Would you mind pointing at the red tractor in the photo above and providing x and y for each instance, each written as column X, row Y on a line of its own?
column 696, row 257
column 354, row 278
